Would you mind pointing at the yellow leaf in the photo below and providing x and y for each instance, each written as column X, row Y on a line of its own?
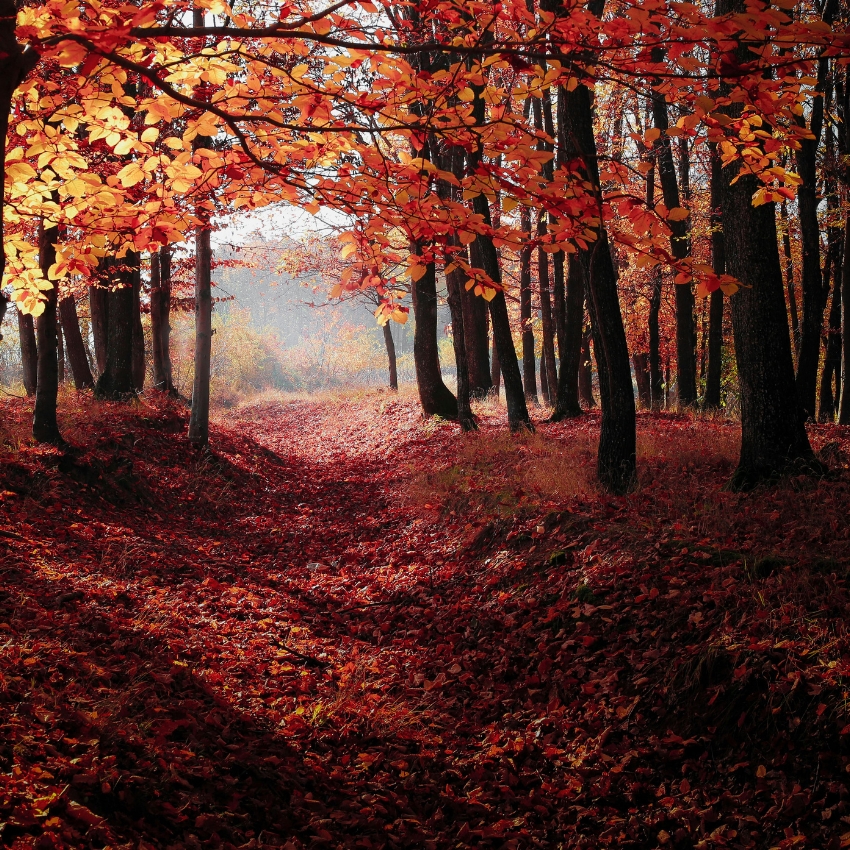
column 150, row 135
column 652, row 134
column 416, row 271
column 466, row 94
column 131, row 174
column 466, row 237
column 678, row 214
column 336, row 291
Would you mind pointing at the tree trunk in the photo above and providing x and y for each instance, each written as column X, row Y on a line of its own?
column 772, row 431
column 434, row 395
column 529, row 364
column 199, row 419
column 45, row 428
column 99, row 308
column 656, row 379
column 641, row 363
column 789, row 278
column 391, row 359
column 814, row 294
column 715, row 313
column 29, row 352
column 567, row 401
column 475, row 332
column 832, row 360
column 161, row 320
column 74, row 344
column 455, row 286
column 138, row 333
column 680, row 246
column 844, row 401
column 616, row 454
column 116, row 381
column 495, row 370
column 585, row 374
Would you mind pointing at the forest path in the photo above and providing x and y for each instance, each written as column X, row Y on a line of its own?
column 347, row 628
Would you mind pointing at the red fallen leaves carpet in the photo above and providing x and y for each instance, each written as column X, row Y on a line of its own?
column 343, row 628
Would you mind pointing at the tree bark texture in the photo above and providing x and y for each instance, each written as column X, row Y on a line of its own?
column 45, row 428
column 568, row 401
column 495, row 370
column 199, row 419
column 681, row 248
column 74, row 344
column 116, row 381
column 161, row 321
column 529, row 363
column 616, row 453
column 455, row 286
column 139, row 367
column 711, row 400
column 391, row 357
column 99, row 308
column 789, row 278
column 29, row 355
column 585, row 374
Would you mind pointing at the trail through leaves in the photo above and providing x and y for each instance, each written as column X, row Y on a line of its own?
column 347, row 628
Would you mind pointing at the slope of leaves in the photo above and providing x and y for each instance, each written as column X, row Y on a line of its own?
column 345, row 628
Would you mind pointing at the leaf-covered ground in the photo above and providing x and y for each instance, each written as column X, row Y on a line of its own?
column 344, row 628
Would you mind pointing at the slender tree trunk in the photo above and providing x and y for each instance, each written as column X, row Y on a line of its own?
column 616, row 454
column 391, row 358
column 715, row 314
column 844, row 401
column 75, row 345
column 640, row 361
column 99, row 308
column 544, row 381
column 656, row 378
column 832, row 361
column 60, row 349
column 29, row 353
column 199, row 419
column 161, row 320
column 475, row 330
column 495, row 370
column 455, row 286
column 138, row 333
column 814, row 294
column 45, row 428
column 585, row 374
column 568, row 399
column 434, row 395
column 789, row 278
column 529, row 365
column 116, row 381
column 681, row 249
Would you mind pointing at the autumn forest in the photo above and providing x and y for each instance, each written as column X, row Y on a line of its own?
column 492, row 491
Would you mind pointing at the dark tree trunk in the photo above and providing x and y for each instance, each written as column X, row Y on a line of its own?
column 814, row 293
column 455, row 286
column 568, row 400
column 60, row 349
column 844, row 401
column 29, row 353
column 529, row 363
column 391, row 358
column 585, row 373
column 45, row 428
column 772, row 430
column 656, row 379
column 74, row 344
column 161, row 321
column 832, row 361
column 495, row 370
column 434, row 395
column 715, row 314
column 616, row 455
column 544, row 382
column 641, row 363
column 99, row 308
column 789, row 278
column 681, row 249
column 475, row 331
column 138, row 333
column 199, row 418
column 116, row 381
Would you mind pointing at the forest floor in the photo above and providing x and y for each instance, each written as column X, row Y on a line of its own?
column 344, row 627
